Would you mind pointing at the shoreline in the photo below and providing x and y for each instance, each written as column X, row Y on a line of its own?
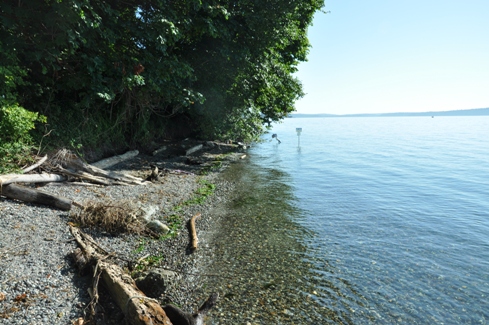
column 261, row 255
column 35, row 244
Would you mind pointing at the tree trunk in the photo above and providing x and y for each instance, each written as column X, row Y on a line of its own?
column 26, row 194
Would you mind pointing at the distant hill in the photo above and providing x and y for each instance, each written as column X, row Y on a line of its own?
column 463, row 112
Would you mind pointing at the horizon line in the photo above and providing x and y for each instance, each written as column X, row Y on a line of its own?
column 472, row 110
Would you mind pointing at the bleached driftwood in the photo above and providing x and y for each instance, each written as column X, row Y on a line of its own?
column 74, row 184
column 39, row 163
column 88, row 176
column 193, row 232
column 108, row 162
column 64, row 163
column 26, row 194
column 30, row 178
column 193, row 149
column 157, row 151
column 70, row 164
column 138, row 309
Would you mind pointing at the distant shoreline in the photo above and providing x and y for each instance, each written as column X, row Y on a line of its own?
column 464, row 112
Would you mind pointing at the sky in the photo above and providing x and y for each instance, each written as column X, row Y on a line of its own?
column 383, row 56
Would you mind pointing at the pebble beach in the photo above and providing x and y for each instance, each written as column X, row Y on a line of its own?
column 39, row 282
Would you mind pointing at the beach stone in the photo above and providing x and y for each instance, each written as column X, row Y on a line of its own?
column 154, row 284
column 147, row 212
column 158, row 227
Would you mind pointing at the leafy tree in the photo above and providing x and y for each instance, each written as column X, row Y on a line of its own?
column 122, row 71
column 251, row 65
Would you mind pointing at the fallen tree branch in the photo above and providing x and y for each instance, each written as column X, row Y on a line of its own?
column 74, row 184
column 193, row 232
column 26, row 194
column 138, row 309
column 39, row 163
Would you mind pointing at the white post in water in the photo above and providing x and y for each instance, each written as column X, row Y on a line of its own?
column 298, row 130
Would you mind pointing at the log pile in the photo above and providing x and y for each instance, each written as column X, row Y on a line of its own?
column 62, row 167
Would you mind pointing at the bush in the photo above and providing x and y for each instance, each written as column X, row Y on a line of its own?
column 15, row 141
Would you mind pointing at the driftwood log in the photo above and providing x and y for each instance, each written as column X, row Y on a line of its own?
column 137, row 308
column 193, row 232
column 108, row 162
column 70, row 164
column 193, row 149
column 26, row 194
column 67, row 164
column 31, row 178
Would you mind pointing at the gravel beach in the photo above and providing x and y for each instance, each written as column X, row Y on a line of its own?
column 39, row 283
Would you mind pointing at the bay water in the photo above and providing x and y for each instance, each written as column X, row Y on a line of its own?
column 360, row 220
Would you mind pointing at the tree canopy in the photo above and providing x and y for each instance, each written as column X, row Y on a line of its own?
column 102, row 71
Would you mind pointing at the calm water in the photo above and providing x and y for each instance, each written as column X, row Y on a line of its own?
column 396, row 211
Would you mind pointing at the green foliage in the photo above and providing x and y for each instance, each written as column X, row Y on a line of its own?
column 16, row 122
column 13, row 155
column 141, row 246
column 203, row 192
column 146, row 263
column 15, row 139
column 119, row 71
column 175, row 223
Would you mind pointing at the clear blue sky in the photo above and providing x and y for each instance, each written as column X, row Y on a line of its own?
column 397, row 56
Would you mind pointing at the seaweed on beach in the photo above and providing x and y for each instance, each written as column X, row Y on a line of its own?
column 112, row 217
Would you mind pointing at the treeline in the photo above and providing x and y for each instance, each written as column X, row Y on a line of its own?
column 123, row 72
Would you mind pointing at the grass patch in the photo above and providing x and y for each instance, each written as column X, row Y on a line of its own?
column 142, row 245
column 175, row 223
column 203, row 192
column 145, row 264
column 215, row 165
